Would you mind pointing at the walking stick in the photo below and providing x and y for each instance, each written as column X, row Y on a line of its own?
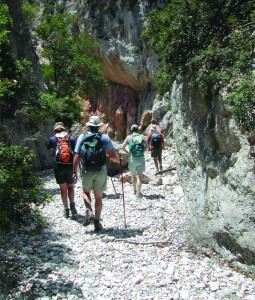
column 113, row 186
column 123, row 198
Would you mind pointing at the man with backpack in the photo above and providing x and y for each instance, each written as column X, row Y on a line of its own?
column 62, row 145
column 136, row 145
column 90, row 153
column 155, row 144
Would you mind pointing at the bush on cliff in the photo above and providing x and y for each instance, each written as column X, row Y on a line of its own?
column 211, row 43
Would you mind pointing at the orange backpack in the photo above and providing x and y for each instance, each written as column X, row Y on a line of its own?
column 64, row 154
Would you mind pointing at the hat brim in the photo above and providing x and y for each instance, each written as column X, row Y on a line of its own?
column 61, row 134
column 59, row 127
column 93, row 125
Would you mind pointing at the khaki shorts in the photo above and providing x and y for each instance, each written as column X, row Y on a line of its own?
column 136, row 165
column 95, row 181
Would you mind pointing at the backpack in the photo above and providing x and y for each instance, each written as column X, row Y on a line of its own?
column 92, row 152
column 155, row 140
column 136, row 146
column 64, row 153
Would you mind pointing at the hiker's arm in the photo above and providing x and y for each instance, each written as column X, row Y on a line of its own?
column 162, row 141
column 149, row 142
column 76, row 162
column 50, row 146
column 123, row 146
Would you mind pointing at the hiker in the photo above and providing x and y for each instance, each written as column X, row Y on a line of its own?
column 155, row 144
column 90, row 153
column 62, row 145
column 135, row 145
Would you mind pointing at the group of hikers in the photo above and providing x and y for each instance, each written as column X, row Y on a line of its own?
column 89, row 154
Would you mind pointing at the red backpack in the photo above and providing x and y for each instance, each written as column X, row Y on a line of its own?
column 64, row 153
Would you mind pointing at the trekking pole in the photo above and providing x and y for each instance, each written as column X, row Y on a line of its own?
column 123, row 198
column 113, row 186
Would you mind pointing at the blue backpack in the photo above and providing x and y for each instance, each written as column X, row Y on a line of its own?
column 155, row 140
column 93, row 154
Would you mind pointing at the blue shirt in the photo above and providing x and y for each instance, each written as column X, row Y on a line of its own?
column 106, row 141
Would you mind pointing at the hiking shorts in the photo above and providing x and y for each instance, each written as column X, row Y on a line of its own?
column 136, row 165
column 63, row 174
column 95, row 181
column 156, row 152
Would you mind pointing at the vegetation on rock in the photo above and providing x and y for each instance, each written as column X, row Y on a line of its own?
column 210, row 42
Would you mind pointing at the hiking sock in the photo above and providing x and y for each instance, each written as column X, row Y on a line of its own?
column 72, row 208
column 89, row 217
column 98, row 226
column 66, row 212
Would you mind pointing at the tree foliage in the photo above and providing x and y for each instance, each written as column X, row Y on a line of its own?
column 210, row 42
column 71, row 65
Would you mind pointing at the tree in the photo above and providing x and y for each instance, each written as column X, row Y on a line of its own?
column 71, row 66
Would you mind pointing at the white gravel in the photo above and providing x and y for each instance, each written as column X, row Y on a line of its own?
column 150, row 259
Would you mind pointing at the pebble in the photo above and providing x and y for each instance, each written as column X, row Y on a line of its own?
column 70, row 261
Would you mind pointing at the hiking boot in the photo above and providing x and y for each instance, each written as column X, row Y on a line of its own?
column 66, row 212
column 98, row 226
column 160, row 168
column 139, row 196
column 89, row 217
column 73, row 209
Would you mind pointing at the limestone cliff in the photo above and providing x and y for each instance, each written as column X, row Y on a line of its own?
column 127, row 63
column 216, row 174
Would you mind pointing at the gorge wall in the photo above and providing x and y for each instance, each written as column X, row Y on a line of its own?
column 128, row 64
column 215, row 171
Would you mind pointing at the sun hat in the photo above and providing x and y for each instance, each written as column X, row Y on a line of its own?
column 61, row 134
column 134, row 127
column 94, row 121
column 59, row 125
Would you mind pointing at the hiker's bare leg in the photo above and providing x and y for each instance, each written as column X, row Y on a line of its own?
column 64, row 194
column 87, row 199
column 160, row 162
column 155, row 162
column 98, row 204
column 139, row 182
column 134, row 181
column 70, row 190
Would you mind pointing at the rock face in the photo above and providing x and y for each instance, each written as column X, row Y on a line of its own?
column 215, row 170
column 127, row 63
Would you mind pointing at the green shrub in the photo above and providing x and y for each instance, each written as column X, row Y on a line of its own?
column 20, row 189
column 210, row 42
column 242, row 102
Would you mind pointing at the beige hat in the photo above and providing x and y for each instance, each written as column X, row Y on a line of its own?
column 94, row 121
column 59, row 125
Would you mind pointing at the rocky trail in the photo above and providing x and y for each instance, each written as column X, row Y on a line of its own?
column 150, row 259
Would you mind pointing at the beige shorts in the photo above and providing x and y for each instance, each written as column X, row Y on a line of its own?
column 136, row 165
column 95, row 181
